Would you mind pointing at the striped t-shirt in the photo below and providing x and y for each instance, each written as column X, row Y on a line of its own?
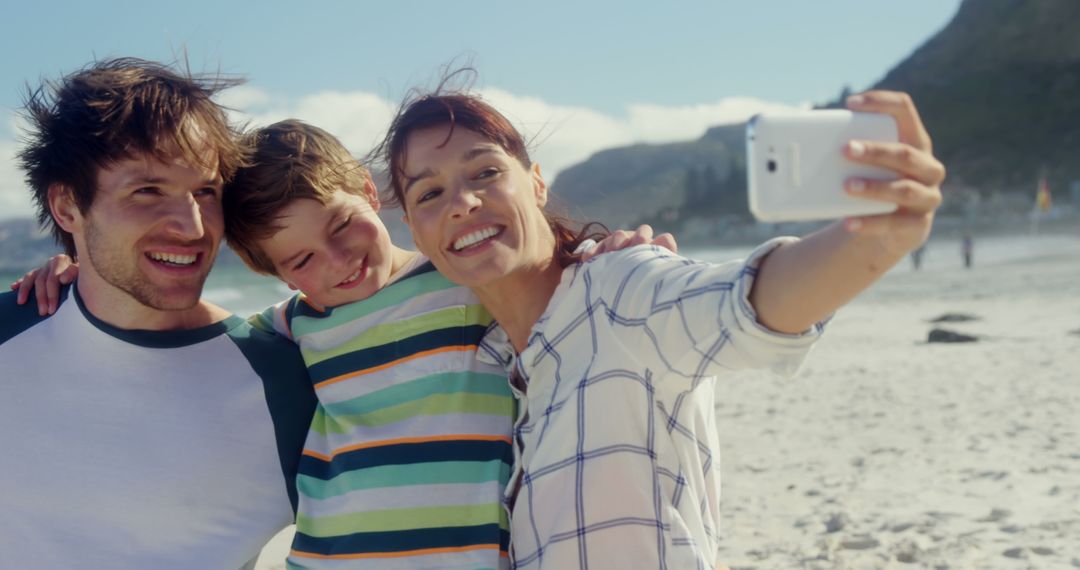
column 409, row 450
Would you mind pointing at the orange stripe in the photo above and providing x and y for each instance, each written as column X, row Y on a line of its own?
column 414, row 356
column 311, row 303
column 401, row 440
column 421, row 552
column 285, row 320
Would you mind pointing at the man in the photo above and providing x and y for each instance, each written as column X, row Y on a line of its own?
column 141, row 426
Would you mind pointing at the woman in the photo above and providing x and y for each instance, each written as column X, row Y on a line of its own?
column 614, row 359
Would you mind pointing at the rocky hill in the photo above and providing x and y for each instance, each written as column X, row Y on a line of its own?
column 620, row 186
column 998, row 87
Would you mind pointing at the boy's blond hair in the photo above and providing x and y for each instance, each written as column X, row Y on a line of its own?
column 290, row 160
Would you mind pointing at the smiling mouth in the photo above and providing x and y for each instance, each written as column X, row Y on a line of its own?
column 359, row 274
column 478, row 237
column 174, row 259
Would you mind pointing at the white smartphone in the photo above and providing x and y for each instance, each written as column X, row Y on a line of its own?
column 796, row 167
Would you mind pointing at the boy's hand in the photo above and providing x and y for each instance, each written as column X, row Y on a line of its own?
column 917, row 192
column 623, row 239
column 46, row 281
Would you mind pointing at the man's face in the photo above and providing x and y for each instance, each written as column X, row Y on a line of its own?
column 153, row 230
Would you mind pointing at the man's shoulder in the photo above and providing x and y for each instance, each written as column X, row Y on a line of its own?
column 252, row 338
column 289, row 394
column 16, row 319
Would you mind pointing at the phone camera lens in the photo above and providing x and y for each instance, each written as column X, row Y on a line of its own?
column 771, row 165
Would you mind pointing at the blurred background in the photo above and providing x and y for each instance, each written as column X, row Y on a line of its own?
column 898, row 449
column 635, row 110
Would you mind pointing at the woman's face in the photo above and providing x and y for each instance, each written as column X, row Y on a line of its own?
column 476, row 211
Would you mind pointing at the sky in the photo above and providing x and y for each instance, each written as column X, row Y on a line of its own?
column 576, row 76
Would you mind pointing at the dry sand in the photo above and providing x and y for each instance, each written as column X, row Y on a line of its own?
column 889, row 452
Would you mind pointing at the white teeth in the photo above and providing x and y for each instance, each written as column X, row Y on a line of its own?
column 174, row 258
column 352, row 277
column 474, row 238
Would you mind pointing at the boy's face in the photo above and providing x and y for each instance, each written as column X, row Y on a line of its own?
column 335, row 253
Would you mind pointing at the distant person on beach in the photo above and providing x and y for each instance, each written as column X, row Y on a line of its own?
column 917, row 255
column 614, row 359
column 143, row 427
column 967, row 250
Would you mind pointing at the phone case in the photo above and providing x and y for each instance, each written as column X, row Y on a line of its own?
column 796, row 167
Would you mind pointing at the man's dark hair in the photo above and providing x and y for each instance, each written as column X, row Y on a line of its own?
column 111, row 111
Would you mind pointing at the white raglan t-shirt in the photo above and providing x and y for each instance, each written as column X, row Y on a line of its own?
column 144, row 449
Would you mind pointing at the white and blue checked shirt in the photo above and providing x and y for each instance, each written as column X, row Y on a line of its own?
column 616, row 445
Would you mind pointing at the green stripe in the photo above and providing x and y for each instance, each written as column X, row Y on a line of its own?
column 400, row 519
column 393, row 294
column 263, row 321
column 386, row 333
column 434, row 405
column 440, row 383
column 441, row 473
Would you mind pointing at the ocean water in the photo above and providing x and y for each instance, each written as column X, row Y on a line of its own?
column 244, row 292
column 231, row 286
column 946, row 253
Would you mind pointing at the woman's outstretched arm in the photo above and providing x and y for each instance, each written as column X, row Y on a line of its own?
column 801, row 283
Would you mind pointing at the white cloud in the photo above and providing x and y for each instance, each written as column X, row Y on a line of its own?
column 563, row 135
column 358, row 119
column 656, row 123
column 243, row 97
column 567, row 135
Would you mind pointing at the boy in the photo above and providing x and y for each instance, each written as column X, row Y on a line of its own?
column 408, row 453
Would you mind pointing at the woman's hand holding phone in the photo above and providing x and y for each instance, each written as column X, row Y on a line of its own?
column 917, row 191
column 831, row 266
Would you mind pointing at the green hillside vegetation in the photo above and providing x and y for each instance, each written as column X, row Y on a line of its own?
column 999, row 89
column 648, row 183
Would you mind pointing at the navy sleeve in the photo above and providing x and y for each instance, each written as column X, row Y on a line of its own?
column 290, row 397
column 15, row 319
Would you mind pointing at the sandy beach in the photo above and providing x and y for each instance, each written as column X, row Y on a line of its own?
column 891, row 452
